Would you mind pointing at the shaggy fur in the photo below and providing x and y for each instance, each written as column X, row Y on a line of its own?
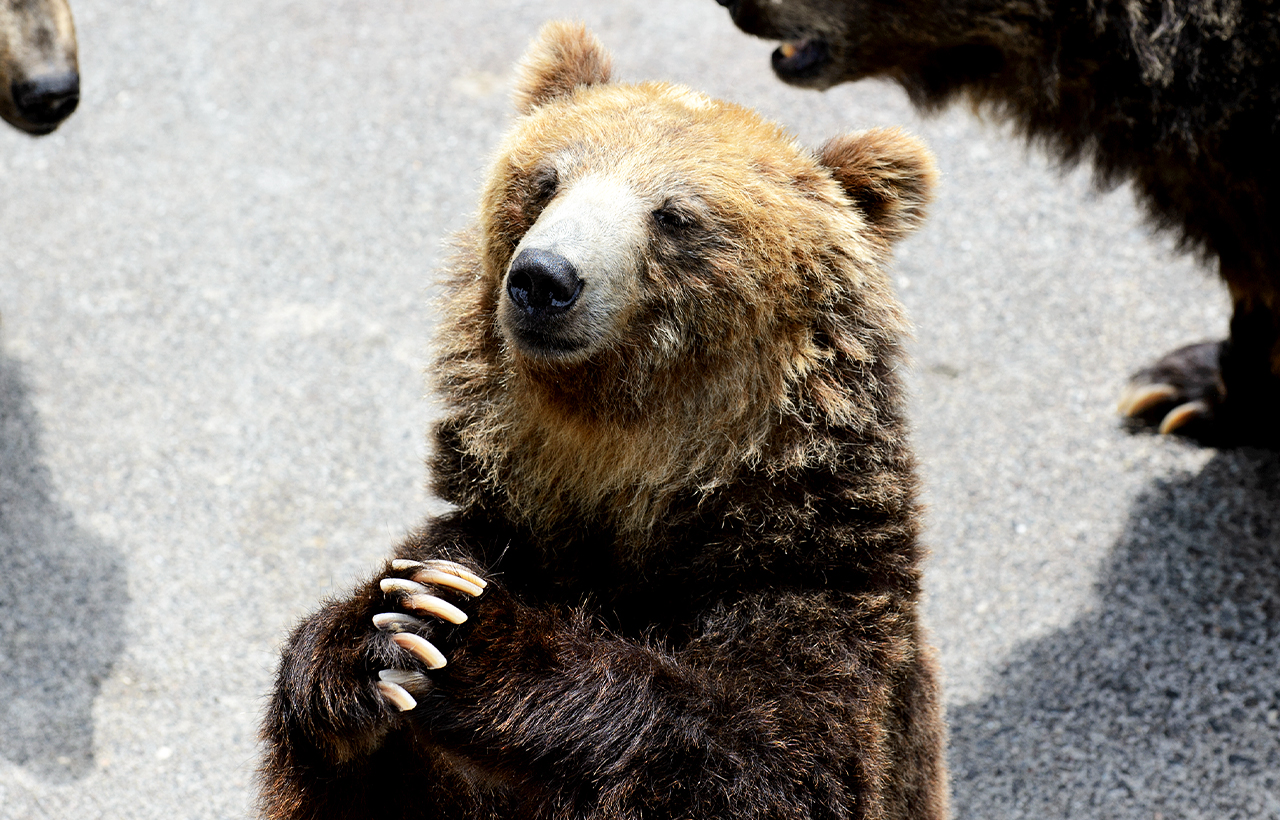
column 39, row 75
column 1180, row 96
column 700, row 534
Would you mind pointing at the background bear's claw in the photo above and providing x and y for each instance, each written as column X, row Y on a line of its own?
column 1139, row 398
column 1184, row 414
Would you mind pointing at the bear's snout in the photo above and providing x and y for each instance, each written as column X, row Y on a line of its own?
column 542, row 283
column 47, row 100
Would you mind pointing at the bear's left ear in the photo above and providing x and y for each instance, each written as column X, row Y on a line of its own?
column 564, row 56
column 889, row 175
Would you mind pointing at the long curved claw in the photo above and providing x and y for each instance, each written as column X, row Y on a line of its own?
column 417, row 597
column 438, row 607
column 399, row 698
column 1138, row 399
column 396, row 622
column 448, row 580
column 1184, row 414
column 420, row 648
column 441, row 565
column 404, row 585
column 392, row 686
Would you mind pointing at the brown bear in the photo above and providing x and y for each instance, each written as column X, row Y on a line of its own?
column 39, row 74
column 1180, row 96
column 681, row 572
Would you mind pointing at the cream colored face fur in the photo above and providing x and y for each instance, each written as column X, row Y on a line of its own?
column 37, row 46
column 599, row 223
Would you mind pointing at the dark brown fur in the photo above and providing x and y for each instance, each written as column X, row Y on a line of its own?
column 1182, row 97
column 708, row 608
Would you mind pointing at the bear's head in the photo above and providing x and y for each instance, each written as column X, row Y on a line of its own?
column 663, row 290
column 931, row 47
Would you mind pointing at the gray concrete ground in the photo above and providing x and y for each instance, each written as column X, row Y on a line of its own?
column 214, row 287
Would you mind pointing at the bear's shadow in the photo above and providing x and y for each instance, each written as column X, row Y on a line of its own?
column 1164, row 700
column 63, row 594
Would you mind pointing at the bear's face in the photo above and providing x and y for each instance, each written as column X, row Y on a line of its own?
column 660, row 280
column 649, row 216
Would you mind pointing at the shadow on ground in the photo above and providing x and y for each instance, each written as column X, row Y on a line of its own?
column 62, row 599
column 1164, row 701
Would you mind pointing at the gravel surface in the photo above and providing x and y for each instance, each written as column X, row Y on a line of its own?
column 215, row 301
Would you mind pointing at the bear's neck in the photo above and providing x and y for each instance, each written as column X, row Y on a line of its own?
column 544, row 459
column 552, row 455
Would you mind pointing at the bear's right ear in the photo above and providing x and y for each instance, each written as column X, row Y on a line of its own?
column 889, row 175
column 564, row 56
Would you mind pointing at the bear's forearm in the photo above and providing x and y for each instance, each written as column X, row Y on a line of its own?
column 619, row 728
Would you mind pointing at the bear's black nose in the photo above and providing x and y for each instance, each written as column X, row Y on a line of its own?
column 543, row 283
column 47, row 100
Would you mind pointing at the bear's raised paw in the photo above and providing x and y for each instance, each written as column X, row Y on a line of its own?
column 421, row 594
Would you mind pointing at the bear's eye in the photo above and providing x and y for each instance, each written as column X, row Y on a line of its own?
column 672, row 219
column 544, row 183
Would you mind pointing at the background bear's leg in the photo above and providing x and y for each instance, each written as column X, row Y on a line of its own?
column 1219, row 393
column 1250, row 364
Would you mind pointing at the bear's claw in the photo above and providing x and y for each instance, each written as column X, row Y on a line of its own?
column 392, row 683
column 416, row 596
column 397, row 695
column 448, row 580
column 396, row 622
column 420, row 648
column 1184, row 414
column 439, row 566
column 1139, row 398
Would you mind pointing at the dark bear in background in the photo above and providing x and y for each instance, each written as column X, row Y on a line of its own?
column 681, row 576
column 1180, row 96
column 39, row 72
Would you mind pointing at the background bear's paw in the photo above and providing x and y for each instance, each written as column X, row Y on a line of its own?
column 422, row 594
column 1181, row 393
column 1184, row 393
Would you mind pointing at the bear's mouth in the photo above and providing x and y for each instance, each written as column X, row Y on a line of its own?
column 540, row 342
column 801, row 59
